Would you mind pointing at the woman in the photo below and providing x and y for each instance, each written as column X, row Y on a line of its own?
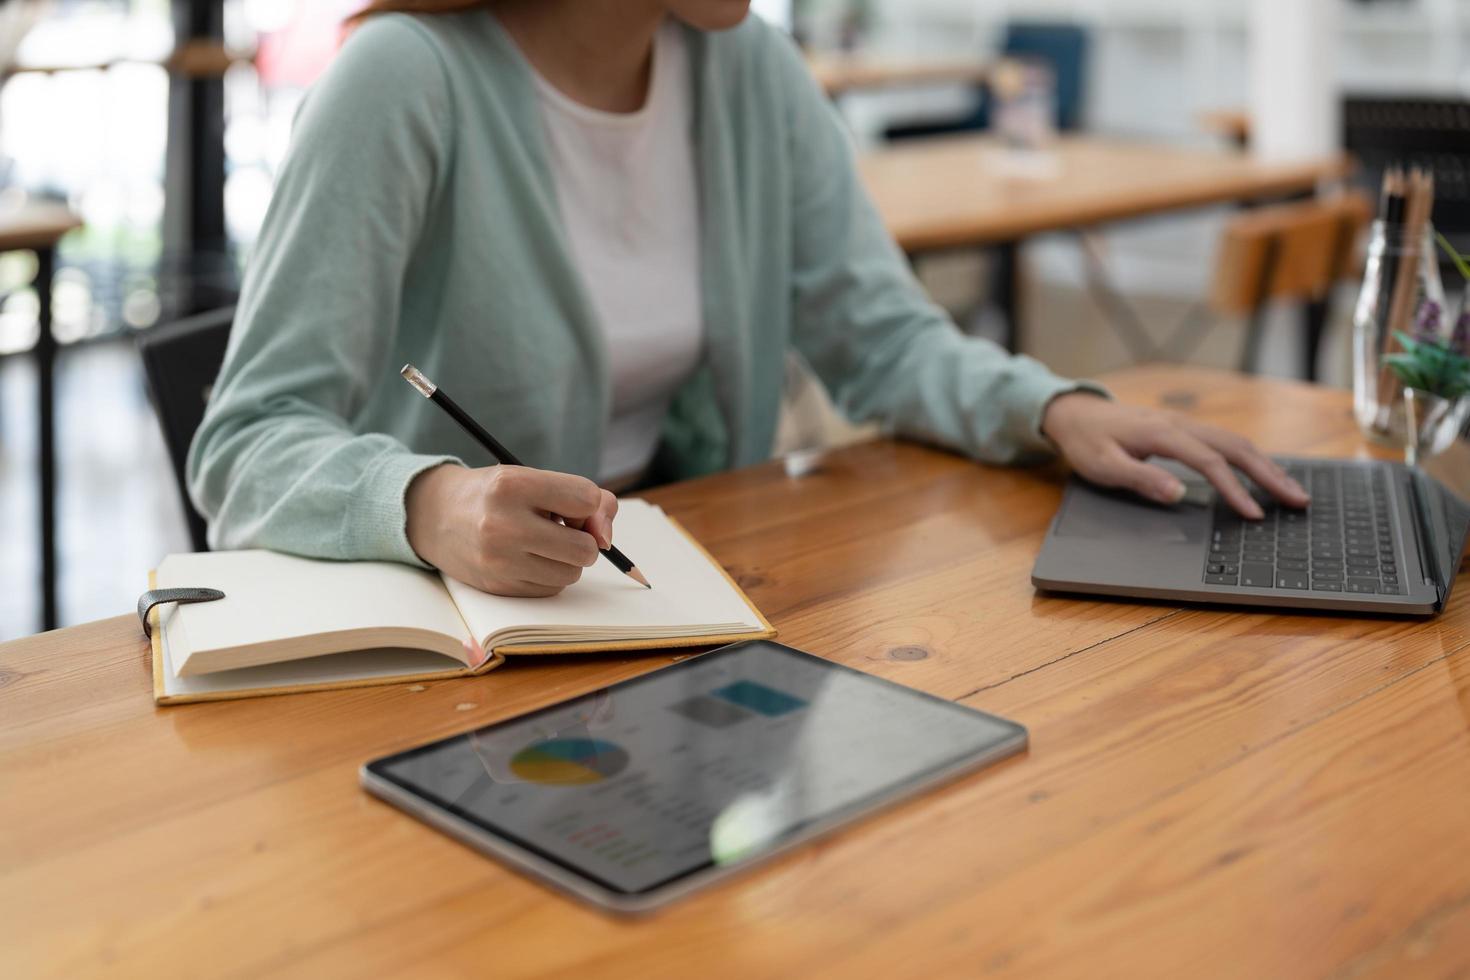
column 600, row 224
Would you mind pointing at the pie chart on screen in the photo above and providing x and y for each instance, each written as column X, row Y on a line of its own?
column 569, row 761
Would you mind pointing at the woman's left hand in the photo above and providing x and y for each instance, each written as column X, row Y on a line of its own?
column 1107, row 443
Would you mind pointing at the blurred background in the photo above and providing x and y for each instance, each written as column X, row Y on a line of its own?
column 1117, row 181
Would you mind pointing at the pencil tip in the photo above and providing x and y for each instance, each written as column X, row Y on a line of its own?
column 637, row 576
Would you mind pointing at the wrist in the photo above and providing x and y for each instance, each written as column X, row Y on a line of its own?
column 1059, row 408
column 425, row 507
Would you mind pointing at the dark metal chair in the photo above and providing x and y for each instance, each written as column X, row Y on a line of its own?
column 181, row 361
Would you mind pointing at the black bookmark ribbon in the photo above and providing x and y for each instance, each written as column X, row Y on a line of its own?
column 154, row 597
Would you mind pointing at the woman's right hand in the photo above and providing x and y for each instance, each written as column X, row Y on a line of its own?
column 496, row 528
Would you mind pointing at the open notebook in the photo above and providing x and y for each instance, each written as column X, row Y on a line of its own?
column 288, row 624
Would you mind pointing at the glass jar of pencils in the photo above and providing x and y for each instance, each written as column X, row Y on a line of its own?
column 1401, row 276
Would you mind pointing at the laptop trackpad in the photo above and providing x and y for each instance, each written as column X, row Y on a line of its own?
column 1093, row 512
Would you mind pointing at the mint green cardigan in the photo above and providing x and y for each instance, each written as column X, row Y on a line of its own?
column 415, row 220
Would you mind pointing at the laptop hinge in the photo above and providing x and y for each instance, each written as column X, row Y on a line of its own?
column 1420, row 507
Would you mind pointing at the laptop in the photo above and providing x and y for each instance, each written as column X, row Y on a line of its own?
column 1378, row 537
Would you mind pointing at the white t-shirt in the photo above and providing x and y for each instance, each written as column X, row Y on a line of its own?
column 626, row 187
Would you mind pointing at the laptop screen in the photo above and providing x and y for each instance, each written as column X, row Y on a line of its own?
column 1442, row 484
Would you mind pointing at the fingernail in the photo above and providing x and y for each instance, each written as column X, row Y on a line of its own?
column 1297, row 487
column 1254, row 512
column 1169, row 492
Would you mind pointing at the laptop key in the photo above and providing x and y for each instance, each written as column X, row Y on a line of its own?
column 1342, row 543
column 1220, row 580
column 1257, row 575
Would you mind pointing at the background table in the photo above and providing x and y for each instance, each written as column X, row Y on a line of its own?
column 1207, row 793
column 839, row 73
column 964, row 191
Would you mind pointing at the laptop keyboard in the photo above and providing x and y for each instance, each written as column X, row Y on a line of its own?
column 1343, row 542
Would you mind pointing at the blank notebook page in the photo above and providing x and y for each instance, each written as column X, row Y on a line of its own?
column 690, row 596
column 270, row 597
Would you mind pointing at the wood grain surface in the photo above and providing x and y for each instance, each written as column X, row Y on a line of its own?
column 1207, row 793
column 954, row 191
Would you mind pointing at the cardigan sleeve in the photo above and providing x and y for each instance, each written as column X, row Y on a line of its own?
column 884, row 350
column 276, row 462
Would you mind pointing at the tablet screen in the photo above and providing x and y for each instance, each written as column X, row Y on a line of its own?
column 709, row 762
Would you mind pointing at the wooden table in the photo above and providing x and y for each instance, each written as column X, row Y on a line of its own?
column 198, row 58
column 39, row 226
column 839, row 73
column 1207, row 793
column 964, row 191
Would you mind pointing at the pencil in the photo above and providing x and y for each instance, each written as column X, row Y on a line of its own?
column 436, row 395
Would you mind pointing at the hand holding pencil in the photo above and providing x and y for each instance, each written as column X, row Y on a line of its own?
column 508, row 529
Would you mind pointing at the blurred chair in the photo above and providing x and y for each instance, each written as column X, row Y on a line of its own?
column 1288, row 253
column 1429, row 132
column 1063, row 47
column 1282, row 253
column 181, row 361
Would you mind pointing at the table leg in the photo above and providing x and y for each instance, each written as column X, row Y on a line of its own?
column 46, row 435
column 1006, row 287
column 1314, row 322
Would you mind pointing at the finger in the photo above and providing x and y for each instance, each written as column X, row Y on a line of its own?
column 563, row 494
column 1258, row 466
column 1179, row 444
column 600, row 524
column 544, row 572
column 559, row 543
column 1116, row 468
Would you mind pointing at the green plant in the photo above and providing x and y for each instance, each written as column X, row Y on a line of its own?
column 1431, row 364
column 1429, row 360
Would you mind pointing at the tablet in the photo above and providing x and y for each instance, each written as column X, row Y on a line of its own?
column 636, row 794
